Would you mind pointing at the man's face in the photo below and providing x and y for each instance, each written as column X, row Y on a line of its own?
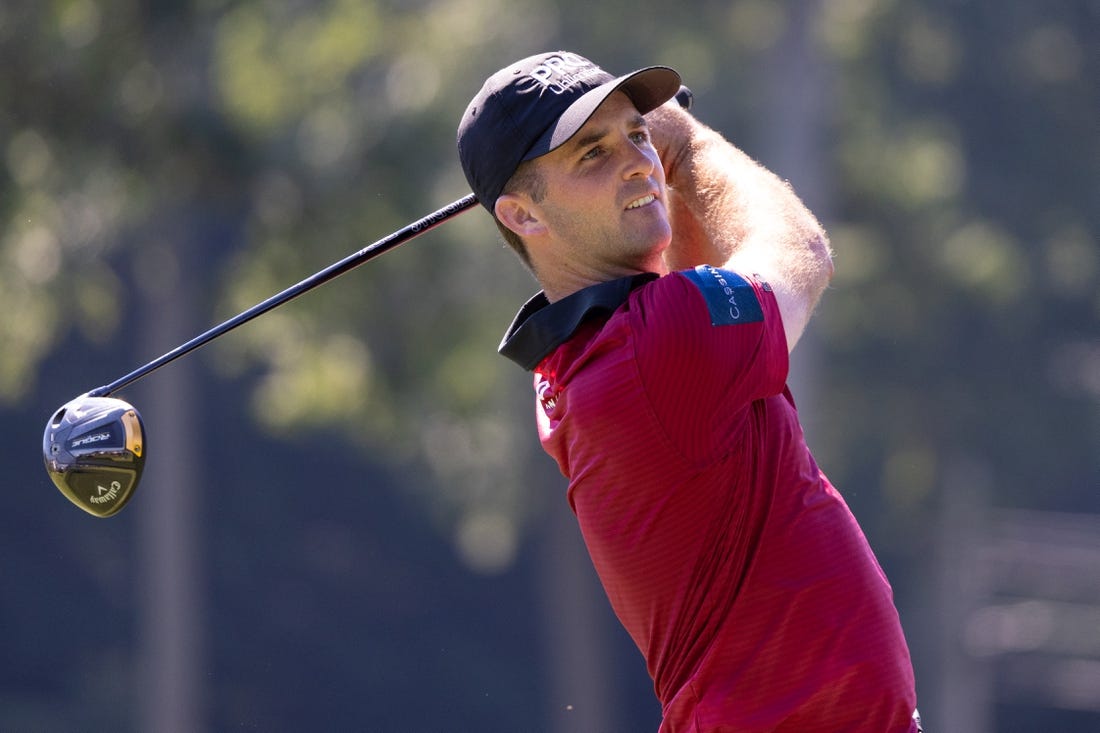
column 606, row 205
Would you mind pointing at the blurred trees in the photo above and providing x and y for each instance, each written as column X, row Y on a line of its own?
column 270, row 139
column 967, row 144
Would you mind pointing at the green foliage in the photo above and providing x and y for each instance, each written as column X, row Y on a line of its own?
column 964, row 150
column 964, row 188
column 962, row 209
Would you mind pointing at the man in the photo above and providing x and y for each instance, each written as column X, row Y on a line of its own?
column 677, row 275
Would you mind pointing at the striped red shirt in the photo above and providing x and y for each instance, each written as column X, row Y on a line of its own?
column 733, row 563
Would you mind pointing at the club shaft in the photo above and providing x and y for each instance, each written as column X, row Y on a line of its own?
column 334, row 270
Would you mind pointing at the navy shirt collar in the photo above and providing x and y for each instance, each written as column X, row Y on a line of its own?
column 542, row 326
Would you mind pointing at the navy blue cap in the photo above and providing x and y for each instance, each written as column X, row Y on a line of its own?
column 532, row 106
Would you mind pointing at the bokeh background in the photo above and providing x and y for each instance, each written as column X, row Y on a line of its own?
column 346, row 522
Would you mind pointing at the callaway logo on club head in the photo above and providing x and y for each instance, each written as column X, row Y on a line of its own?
column 104, row 494
column 558, row 73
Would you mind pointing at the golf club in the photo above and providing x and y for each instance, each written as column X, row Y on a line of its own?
column 94, row 446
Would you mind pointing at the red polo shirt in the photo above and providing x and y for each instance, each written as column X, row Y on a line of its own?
column 727, row 555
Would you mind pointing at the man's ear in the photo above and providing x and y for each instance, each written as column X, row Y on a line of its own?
column 520, row 214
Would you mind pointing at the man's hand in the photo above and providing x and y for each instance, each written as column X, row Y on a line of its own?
column 672, row 129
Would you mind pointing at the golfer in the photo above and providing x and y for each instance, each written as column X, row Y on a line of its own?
column 677, row 275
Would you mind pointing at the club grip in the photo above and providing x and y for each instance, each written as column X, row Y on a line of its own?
column 685, row 97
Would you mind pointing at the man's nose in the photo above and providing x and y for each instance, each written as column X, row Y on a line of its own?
column 641, row 159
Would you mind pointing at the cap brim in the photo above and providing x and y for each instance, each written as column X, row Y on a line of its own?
column 647, row 88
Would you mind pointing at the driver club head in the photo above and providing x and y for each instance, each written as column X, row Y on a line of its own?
column 94, row 449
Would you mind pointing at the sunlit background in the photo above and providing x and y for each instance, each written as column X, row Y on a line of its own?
column 346, row 522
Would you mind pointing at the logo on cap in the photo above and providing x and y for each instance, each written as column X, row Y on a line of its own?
column 558, row 73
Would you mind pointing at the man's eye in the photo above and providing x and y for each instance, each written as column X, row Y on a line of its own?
column 641, row 137
column 592, row 153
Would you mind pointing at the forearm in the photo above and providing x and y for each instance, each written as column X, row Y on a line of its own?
column 707, row 198
column 720, row 195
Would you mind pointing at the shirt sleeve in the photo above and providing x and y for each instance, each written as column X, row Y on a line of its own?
column 708, row 343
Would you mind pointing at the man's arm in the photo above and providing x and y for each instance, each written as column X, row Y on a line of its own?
column 731, row 212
